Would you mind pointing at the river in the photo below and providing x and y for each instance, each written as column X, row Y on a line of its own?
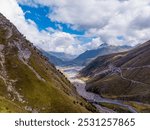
column 72, row 72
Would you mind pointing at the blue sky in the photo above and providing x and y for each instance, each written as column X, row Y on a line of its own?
column 40, row 17
column 74, row 26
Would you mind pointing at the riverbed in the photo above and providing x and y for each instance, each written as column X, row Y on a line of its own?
column 72, row 74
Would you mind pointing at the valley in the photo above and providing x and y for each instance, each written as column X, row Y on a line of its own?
column 107, row 80
column 122, row 76
column 72, row 74
column 80, row 57
column 29, row 82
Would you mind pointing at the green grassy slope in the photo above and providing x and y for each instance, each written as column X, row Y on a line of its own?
column 34, row 85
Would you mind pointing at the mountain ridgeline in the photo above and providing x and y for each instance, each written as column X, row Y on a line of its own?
column 124, row 76
column 28, row 81
column 86, row 57
column 63, row 56
column 60, row 59
column 53, row 59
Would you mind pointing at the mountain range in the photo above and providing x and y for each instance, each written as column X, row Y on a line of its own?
column 63, row 56
column 124, row 76
column 89, row 55
column 62, row 59
column 28, row 81
column 53, row 59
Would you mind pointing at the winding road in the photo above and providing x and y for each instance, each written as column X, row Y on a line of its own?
column 118, row 70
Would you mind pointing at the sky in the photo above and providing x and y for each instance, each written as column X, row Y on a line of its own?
column 74, row 26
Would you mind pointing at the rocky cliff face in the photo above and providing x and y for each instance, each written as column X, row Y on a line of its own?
column 28, row 82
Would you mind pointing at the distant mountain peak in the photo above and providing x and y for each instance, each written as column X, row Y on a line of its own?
column 104, row 49
column 104, row 45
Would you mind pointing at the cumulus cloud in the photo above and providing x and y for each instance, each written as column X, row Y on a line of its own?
column 80, row 13
column 105, row 20
column 49, row 39
column 14, row 13
column 60, row 42
column 95, row 43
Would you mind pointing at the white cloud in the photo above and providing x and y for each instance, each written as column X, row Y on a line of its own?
column 103, row 19
column 80, row 13
column 60, row 42
column 130, row 21
column 14, row 13
column 50, row 40
column 95, row 43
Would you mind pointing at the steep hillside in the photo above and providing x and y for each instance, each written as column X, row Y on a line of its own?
column 86, row 57
column 28, row 82
column 122, row 75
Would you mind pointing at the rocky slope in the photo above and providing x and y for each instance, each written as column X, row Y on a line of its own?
column 124, row 76
column 28, row 82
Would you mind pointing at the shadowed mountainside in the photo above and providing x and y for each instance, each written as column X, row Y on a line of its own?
column 104, row 49
column 123, row 75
